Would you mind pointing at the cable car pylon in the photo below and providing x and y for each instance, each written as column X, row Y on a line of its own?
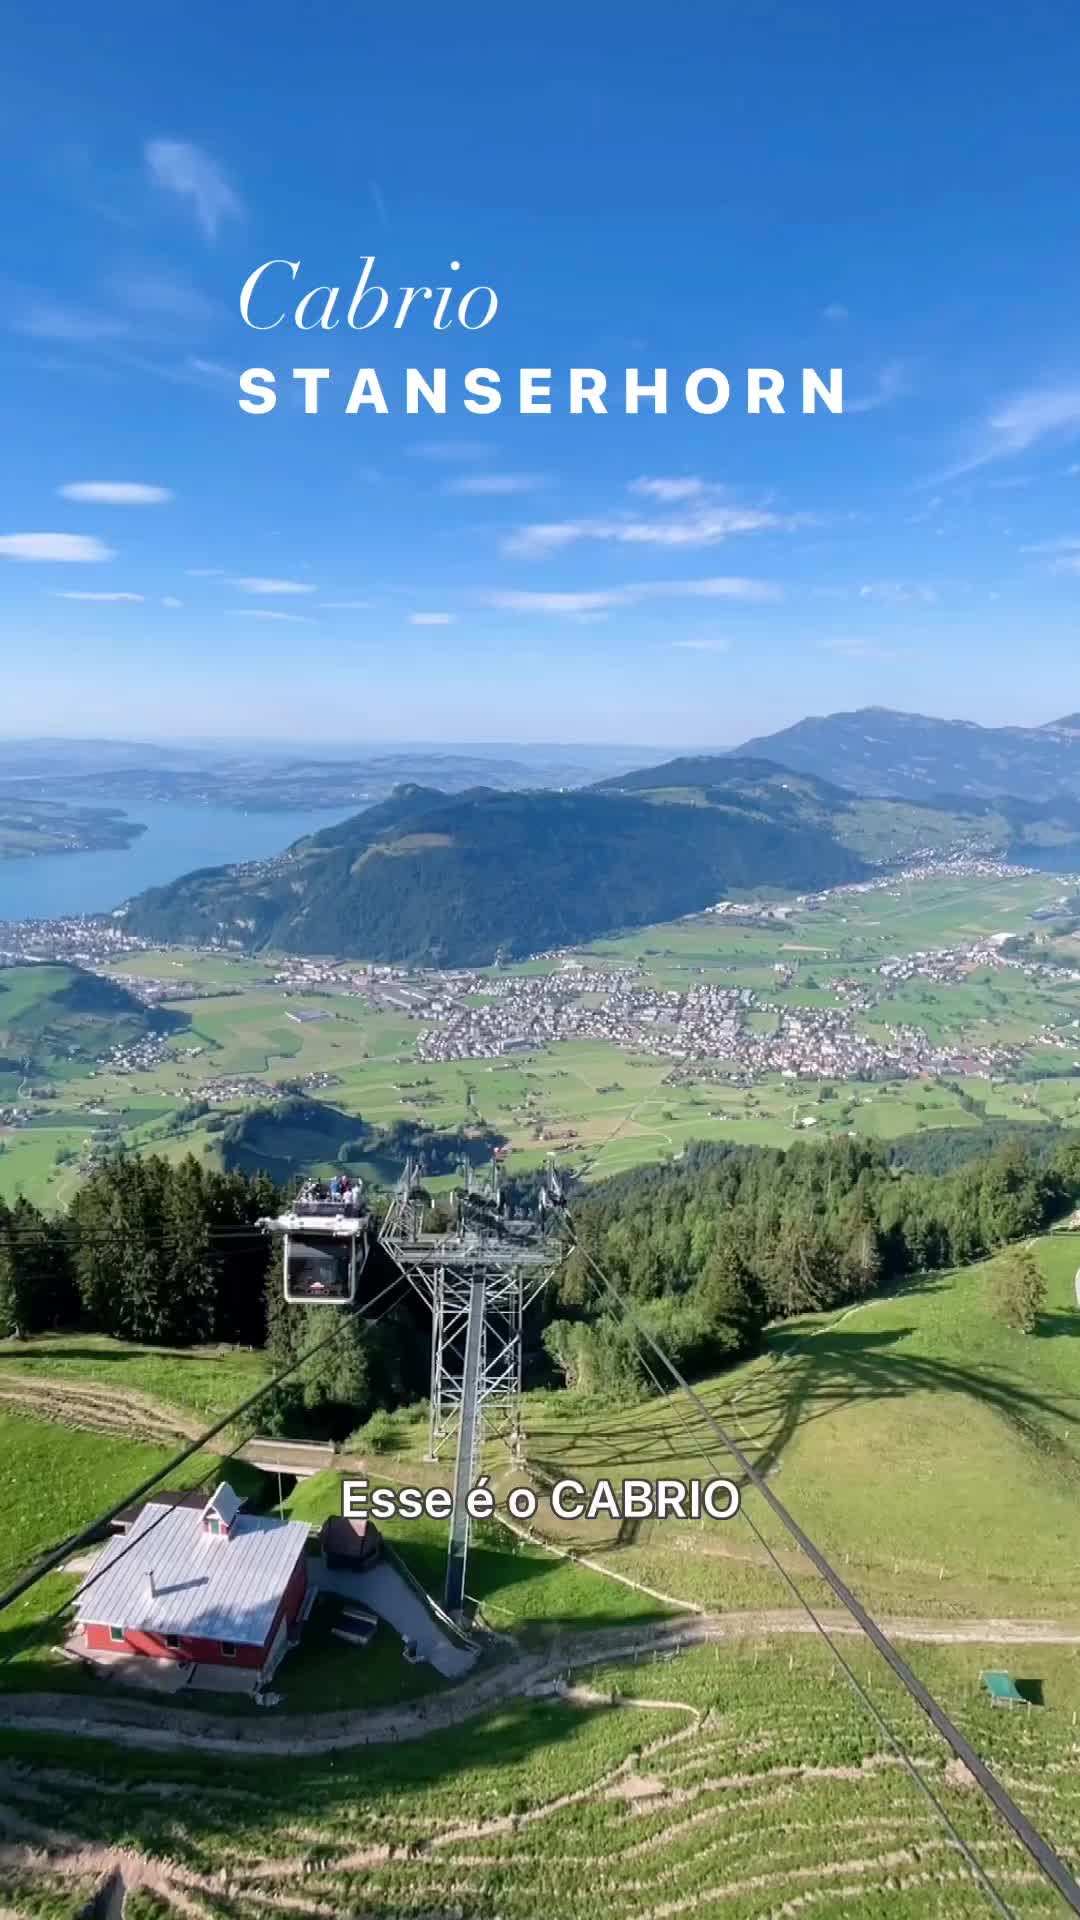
column 478, row 1278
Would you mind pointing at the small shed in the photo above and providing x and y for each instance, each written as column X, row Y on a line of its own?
column 350, row 1545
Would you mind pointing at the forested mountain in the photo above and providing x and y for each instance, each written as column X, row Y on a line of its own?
column 876, row 825
column 426, row 877
column 876, row 750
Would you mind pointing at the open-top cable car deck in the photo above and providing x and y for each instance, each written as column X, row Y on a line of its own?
column 326, row 1235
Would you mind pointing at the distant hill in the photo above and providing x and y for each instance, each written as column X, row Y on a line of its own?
column 876, row 750
column 451, row 880
column 302, row 1136
column 873, row 827
column 57, row 1020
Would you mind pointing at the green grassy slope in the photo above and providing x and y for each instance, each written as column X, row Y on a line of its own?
column 931, row 1451
column 56, row 1019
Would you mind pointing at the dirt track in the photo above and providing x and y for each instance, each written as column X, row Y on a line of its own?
column 133, row 1724
column 97, row 1409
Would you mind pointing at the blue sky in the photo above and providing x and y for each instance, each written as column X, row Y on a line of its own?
column 888, row 190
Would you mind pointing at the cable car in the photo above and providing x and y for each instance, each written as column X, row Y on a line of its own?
column 325, row 1245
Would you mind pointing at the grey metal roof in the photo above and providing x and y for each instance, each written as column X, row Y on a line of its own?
column 212, row 1589
column 225, row 1503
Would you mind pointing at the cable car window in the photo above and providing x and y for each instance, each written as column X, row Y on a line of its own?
column 319, row 1270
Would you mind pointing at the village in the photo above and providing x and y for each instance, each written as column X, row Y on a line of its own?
column 737, row 1027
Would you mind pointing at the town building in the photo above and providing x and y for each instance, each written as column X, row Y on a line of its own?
column 208, row 1586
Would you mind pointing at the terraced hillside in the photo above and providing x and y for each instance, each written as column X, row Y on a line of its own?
column 742, row 1781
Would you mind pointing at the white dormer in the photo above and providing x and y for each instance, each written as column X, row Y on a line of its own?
column 220, row 1512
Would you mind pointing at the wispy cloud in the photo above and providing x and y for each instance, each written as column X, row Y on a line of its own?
column 100, row 596
column 494, row 484
column 891, row 384
column 65, row 547
column 45, row 319
column 432, row 619
column 702, row 646
column 1064, row 552
column 600, row 600
column 204, row 573
column 1021, row 422
column 685, row 487
column 270, row 613
column 704, row 526
column 170, row 600
column 259, row 583
column 378, row 201
column 192, row 175
column 834, row 313
column 346, row 606
column 898, row 592
column 115, row 493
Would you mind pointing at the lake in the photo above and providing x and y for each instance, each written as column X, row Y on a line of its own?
column 51, row 885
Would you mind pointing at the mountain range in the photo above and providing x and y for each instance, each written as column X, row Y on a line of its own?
column 430, row 878
column 877, row 750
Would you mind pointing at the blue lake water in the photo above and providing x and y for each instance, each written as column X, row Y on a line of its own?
column 176, row 839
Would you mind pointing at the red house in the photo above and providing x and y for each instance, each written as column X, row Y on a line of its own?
column 213, row 1586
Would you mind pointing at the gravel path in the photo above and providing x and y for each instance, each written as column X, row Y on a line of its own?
column 131, row 1723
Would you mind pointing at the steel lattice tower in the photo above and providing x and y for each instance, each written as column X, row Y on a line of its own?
column 478, row 1280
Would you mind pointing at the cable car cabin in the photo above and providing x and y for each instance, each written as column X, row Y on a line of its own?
column 325, row 1247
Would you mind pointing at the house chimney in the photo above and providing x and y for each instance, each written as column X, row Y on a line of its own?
column 150, row 1587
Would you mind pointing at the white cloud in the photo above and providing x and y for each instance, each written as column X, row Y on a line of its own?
column 1020, row 422
column 170, row 600
column 115, row 493
column 1072, row 470
column 270, row 613
column 54, row 546
column 835, row 313
column 189, row 172
column 599, row 600
column 99, row 596
column 891, row 384
column 494, row 484
column 346, row 606
column 46, row 319
column 204, row 573
column 257, row 583
column 703, row 646
column 702, row 527
column 568, row 603
column 668, row 489
column 897, row 592
column 210, row 369
column 432, row 619
column 1067, row 543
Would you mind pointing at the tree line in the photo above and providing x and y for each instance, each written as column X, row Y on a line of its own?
column 709, row 1249
column 714, row 1246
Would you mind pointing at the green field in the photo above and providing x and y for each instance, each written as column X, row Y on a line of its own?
column 202, row 1380
column 743, row 1780
column 931, row 1451
column 587, row 1098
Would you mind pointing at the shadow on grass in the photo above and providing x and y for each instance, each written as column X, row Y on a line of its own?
column 1054, row 1326
column 814, row 1376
